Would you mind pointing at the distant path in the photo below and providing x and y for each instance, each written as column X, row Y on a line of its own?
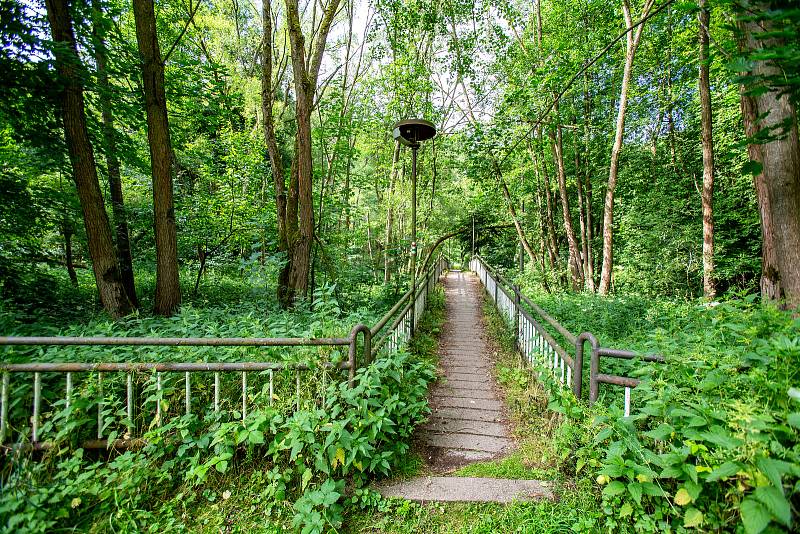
column 467, row 422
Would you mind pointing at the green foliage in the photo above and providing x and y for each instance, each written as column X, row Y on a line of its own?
column 713, row 439
column 305, row 458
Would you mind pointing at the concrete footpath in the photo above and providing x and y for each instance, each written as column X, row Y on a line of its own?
column 468, row 422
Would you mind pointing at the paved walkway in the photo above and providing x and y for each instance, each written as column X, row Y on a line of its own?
column 467, row 422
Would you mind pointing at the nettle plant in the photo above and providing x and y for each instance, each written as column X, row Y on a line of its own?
column 713, row 442
column 307, row 456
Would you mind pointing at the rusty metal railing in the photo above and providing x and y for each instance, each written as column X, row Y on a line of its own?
column 393, row 331
column 538, row 346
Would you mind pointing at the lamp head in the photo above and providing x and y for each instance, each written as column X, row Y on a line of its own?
column 411, row 132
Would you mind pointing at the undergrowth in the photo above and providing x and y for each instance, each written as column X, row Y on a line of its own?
column 273, row 469
column 713, row 440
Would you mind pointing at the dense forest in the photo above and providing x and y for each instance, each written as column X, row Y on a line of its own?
column 228, row 168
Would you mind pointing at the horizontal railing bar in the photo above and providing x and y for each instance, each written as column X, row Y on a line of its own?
column 572, row 338
column 630, row 355
column 106, row 367
column 407, row 296
column 176, row 341
column 616, row 380
column 550, row 340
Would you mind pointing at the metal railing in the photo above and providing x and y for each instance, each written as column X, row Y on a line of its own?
column 394, row 330
column 538, row 346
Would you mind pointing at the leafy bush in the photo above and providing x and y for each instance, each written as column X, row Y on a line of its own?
column 713, row 439
column 306, row 457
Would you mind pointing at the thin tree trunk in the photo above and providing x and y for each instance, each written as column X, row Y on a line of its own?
column 123, row 243
column 778, row 183
column 276, row 161
column 68, row 231
column 633, row 38
column 84, row 170
column 520, row 232
column 709, row 285
column 587, row 106
column 168, row 289
column 575, row 266
column 387, row 257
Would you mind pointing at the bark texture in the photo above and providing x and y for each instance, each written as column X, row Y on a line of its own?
column 709, row 286
column 168, row 289
column 633, row 38
column 84, row 170
column 123, row 242
column 778, row 183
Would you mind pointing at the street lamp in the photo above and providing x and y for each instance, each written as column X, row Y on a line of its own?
column 410, row 133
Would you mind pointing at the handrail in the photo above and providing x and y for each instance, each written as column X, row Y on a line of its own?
column 523, row 338
column 416, row 298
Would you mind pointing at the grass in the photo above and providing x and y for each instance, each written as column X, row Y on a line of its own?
column 538, row 431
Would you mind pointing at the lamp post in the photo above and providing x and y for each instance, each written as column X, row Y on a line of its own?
column 410, row 133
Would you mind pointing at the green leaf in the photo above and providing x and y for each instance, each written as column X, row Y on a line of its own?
column 728, row 469
column 794, row 419
column 635, row 489
column 682, row 498
column 626, row 510
column 614, row 488
column 306, row 478
column 774, row 470
column 755, row 516
column 720, row 437
column 752, row 168
column 692, row 518
column 776, row 503
column 662, row 432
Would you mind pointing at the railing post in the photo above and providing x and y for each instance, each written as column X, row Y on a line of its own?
column 353, row 350
column 515, row 287
column 577, row 371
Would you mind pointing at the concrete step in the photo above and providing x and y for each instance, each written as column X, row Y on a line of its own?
column 440, row 425
column 458, row 402
column 468, row 413
column 468, row 442
column 468, row 489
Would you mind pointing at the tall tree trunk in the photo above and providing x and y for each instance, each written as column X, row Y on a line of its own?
column 298, row 214
column 633, row 37
column 587, row 177
column 387, row 257
column 276, row 161
column 709, row 285
column 84, row 170
column 68, row 230
column 575, row 266
column 552, row 243
column 520, row 232
column 778, row 183
column 168, row 288
column 123, row 243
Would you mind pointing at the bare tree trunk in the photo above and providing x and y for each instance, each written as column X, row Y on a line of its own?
column 168, row 288
column 552, row 243
column 587, row 177
column 778, row 183
column 300, row 208
column 387, row 259
column 576, row 268
column 276, row 161
column 123, row 243
column 633, row 38
column 67, row 230
column 84, row 170
column 709, row 285
column 520, row 232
